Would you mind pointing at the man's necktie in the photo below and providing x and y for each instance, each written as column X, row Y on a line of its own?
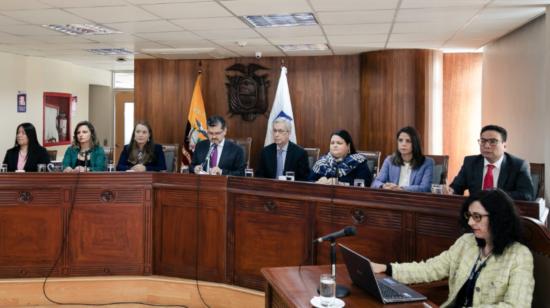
column 488, row 182
column 214, row 157
column 280, row 165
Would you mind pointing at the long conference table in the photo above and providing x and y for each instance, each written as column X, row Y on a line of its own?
column 211, row 228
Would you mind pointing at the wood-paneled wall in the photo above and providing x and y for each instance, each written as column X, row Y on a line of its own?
column 394, row 94
column 461, row 107
column 324, row 93
column 371, row 95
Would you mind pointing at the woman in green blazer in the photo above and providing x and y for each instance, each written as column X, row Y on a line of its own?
column 85, row 153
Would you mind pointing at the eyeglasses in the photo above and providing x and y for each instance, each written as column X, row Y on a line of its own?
column 475, row 216
column 279, row 131
column 492, row 142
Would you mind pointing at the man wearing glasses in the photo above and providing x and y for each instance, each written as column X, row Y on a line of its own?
column 494, row 168
column 217, row 156
column 283, row 155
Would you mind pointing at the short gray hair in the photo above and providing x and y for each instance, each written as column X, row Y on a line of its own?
column 285, row 121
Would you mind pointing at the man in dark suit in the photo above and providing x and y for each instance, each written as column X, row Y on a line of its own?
column 494, row 168
column 217, row 155
column 283, row 155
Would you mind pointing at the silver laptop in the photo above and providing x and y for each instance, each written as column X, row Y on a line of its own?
column 386, row 289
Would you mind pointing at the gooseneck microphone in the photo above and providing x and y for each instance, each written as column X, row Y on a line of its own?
column 347, row 231
column 206, row 164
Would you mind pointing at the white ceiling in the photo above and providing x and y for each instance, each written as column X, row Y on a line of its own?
column 213, row 28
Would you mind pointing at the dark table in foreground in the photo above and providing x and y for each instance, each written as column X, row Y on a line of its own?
column 294, row 287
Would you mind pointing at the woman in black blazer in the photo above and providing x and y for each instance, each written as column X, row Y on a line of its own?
column 27, row 152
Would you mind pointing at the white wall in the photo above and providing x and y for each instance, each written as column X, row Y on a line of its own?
column 515, row 78
column 36, row 76
column 514, row 89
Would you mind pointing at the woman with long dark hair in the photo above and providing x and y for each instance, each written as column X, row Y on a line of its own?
column 27, row 153
column 342, row 164
column 407, row 168
column 142, row 154
column 487, row 266
column 85, row 153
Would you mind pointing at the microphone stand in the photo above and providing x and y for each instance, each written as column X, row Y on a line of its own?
column 341, row 291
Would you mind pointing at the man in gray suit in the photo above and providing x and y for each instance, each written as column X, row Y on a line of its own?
column 494, row 168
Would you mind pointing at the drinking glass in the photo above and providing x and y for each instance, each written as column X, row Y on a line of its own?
column 111, row 167
column 41, row 168
column 359, row 182
column 289, row 175
column 327, row 289
column 4, row 168
column 437, row 189
column 249, row 172
column 184, row 169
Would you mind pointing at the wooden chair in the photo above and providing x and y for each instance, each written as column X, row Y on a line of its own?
column 171, row 156
column 537, row 176
column 373, row 161
column 441, row 166
column 246, row 144
column 52, row 154
column 312, row 156
column 537, row 238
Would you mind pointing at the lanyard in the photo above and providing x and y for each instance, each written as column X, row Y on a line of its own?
column 470, row 283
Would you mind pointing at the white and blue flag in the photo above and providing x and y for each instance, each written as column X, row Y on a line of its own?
column 282, row 107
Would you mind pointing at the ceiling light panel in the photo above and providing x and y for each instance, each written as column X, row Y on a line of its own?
column 302, row 47
column 255, row 7
column 111, row 51
column 281, row 20
column 81, row 29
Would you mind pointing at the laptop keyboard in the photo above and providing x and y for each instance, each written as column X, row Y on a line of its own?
column 388, row 292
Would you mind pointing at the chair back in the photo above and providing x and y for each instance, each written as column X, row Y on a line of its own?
column 312, row 156
column 441, row 166
column 109, row 155
column 537, row 238
column 537, row 176
column 373, row 160
column 246, row 144
column 52, row 154
column 171, row 156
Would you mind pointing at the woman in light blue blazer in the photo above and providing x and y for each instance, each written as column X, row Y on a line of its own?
column 406, row 169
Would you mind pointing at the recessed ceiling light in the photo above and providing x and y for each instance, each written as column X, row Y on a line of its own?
column 111, row 51
column 280, row 20
column 81, row 29
column 303, row 47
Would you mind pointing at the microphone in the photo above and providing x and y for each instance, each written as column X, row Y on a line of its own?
column 347, row 231
column 207, row 160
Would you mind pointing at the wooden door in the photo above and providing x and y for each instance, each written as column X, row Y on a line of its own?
column 120, row 99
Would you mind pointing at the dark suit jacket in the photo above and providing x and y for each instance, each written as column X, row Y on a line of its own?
column 231, row 162
column 296, row 160
column 157, row 164
column 40, row 156
column 514, row 177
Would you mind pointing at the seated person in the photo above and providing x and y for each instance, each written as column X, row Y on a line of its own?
column 142, row 154
column 486, row 266
column 494, row 168
column 407, row 169
column 27, row 152
column 85, row 153
column 217, row 156
column 283, row 155
column 342, row 163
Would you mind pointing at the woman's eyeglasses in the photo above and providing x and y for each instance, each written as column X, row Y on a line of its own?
column 475, row 216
